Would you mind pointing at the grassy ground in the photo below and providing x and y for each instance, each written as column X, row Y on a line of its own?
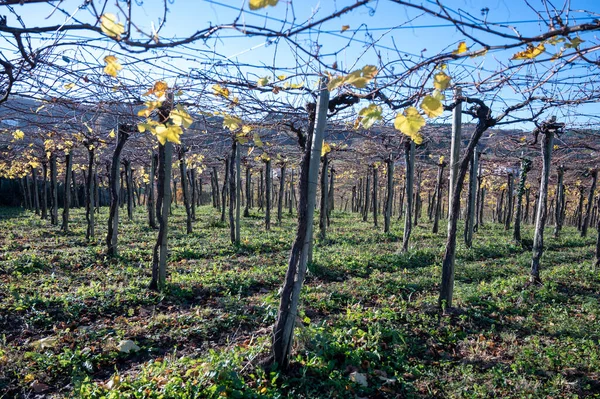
column 366, row 311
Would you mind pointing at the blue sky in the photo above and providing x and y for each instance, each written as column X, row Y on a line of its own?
column 411, row 33
column 391, row 26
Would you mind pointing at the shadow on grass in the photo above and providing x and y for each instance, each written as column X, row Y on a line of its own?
column 253, row 248
column 571, row 290
column 387, row 263
column 350, row 239
column 12, row 212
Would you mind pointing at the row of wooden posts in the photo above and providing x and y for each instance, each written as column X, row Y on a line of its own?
column 42, row 195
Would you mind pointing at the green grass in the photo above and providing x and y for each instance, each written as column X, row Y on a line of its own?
column 365, row 309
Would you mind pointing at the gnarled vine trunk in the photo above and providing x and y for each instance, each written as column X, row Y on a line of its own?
column 281, row 194
column 324, row 196
column 238, row 194
column 588, row 208
column 193, row 182
column 45, row 190
column 558, row 209
column 409, row 159
column 36, row 191
column 283, row 330
column 509, row 201
column 67, row 196
column 268, row 194
column 113, row 216
column 525, row 168
column 540, row 220
column 248, row 193
column 53, row 190
column 597, row 261
column 375, row 199
column 470, row 216
column 438, row 197
column 367, row 203
column 129, row 188
column 185, row 189
column 447, row 286
column 89, row 196
column 390, row 194
column 232, row 190
column 163, row 203
column 225, row 190
column 150, row 199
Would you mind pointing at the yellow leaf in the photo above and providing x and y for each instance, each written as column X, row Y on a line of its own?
column 574, row 43
column 297, row 85
column 345, row 28
column 409, row 123
column 159, row 89
column 38, row 109
column 555, row 147
column 150, row 106
column 220, row 90
column 246, row 129
column 231, row 122
column 432, row 106
column 358, row 78
column 438, row 95
column 179, row 116
column 462, row 47
column 69, row 86
column 335, row 83
column 168, row 133
column 241, row 138
column 112, row 67
column 142, row 127
column 555, row 40
column 369, row 115
column 110, row 26
column 258, row 4
column 18, row 134
column 257, row 141
column 441, row 81
column 88, row 127
column 326, row 149
column 262, row 81
column 530, row 53
column 441, row 161
column 113, row 382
